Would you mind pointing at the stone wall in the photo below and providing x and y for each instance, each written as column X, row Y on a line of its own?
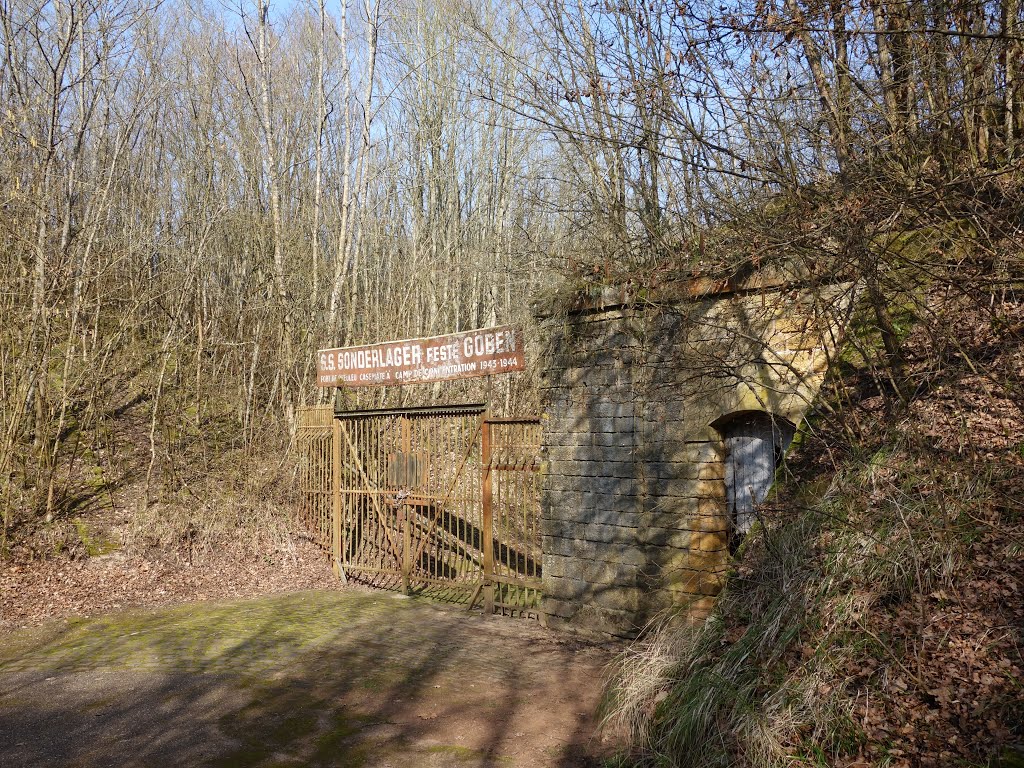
column 633, row 496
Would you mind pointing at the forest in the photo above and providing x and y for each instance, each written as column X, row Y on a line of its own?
column 197, row 197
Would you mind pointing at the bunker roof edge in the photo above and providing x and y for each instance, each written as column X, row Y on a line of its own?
column 581, row 300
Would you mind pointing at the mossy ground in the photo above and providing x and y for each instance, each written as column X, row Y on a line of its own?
column 96, row 542
column 340, row 678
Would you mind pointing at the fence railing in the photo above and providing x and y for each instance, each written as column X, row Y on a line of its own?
column 440, row 500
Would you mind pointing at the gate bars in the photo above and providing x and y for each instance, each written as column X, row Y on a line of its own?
column 408, row 498
column 511, row 500
column 313, row 439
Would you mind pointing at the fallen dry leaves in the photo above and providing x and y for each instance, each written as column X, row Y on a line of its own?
column 963, row 693
column 34, row 591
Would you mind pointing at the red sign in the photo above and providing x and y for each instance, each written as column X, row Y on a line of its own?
column 423, row 361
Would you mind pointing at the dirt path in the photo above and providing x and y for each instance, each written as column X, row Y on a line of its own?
column 332, row 678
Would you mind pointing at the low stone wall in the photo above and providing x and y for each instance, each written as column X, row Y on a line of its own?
column 633, row 497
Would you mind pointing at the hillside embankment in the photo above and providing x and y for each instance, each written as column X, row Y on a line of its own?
column 875, row 615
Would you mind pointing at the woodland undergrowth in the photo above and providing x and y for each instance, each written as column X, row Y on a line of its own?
column 179, row 488
column 875, row 615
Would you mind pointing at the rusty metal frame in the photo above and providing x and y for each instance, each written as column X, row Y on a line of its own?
column 511, row 463
column 314, row 445
column 419, row 533
column 417, row 494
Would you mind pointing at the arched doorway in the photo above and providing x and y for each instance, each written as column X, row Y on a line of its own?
column 755, row 443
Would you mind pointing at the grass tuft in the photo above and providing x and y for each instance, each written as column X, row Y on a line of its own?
column 827, row 627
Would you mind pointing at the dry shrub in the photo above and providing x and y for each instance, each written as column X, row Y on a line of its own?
column 643, row 679
column 242, row 505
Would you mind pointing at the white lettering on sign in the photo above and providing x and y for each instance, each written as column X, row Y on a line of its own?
column 460, row 355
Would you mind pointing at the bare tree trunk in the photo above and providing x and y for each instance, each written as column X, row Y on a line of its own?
column 321, row 120
column 343, row 254
column 812, row 54
column 1013, row 114
column 372, row 10
column 271, row 149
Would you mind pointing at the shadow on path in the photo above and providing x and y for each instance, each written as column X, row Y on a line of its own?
column 347, row 678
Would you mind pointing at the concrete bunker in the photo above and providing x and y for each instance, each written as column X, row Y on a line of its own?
column 664, row 417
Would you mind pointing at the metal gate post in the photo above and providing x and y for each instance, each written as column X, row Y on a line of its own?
column 403, row 517
column 404, row 520
column 488, row 514
column 336, row 496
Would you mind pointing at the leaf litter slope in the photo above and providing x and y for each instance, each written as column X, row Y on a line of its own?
column 875, row 616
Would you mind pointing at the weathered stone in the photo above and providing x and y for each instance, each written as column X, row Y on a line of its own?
column 592, row 620
column 692, row 514
column 716, row 522
column 618, row 511
column 600, row 507
column 610, row 409
column 591, row 571
column 709, row 541
column 622, row 535
column 662, row 537
column 566, row 589
column 702, row 560
column 686, row 488
column 559, row 526
column 654, row 468
column 603, row 485
column 559, row 608
column 634, row 518
column 625, row 599
column 681, row 581
column 607, row 453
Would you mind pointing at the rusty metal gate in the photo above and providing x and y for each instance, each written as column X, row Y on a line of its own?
column 511, row 502
column 415, row 496
column 313, row 439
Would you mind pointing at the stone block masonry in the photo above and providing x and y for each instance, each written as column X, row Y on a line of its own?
column 633, row 499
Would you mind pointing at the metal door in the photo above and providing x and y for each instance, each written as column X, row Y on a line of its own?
column 754, row 444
